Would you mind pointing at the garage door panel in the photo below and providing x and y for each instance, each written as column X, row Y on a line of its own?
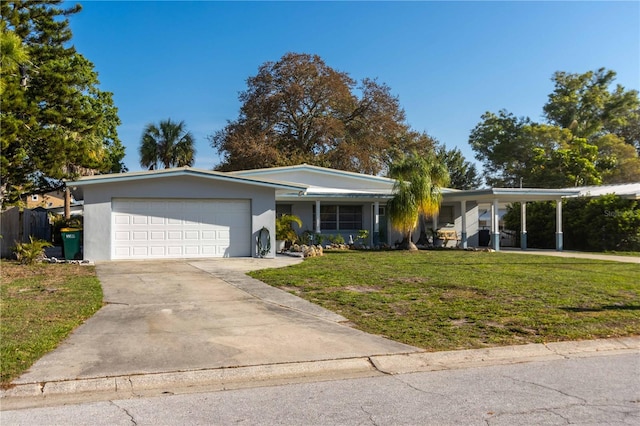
column 157, row 235
column 180, row 228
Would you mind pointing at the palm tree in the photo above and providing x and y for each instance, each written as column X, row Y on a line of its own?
column 169, row 144
column 417, row 191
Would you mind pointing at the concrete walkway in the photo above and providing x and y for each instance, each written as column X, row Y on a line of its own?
column 573, row 254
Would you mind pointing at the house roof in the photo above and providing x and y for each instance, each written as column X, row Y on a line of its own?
column 624, row 190
column 186, row 171
column 313, row 169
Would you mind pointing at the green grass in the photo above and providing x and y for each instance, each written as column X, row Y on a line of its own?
column 445, row 300
column 40, row 305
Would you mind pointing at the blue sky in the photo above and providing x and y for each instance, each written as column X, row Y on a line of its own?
column 448, row 62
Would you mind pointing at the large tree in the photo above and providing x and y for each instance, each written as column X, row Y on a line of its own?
column 587, row 104
column 462, row 173
column 168, row 143
column 300, row 110
column 497, row 142
column 589, row 136
column 56, row 122
column 417, row 192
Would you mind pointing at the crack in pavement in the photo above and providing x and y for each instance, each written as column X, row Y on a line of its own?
column 370, row 415
column 490, row 421
column 426, row 392
column 555, row 352
column 131, row 418
column 584, row 401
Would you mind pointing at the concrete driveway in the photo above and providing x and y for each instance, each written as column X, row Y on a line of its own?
column 176, row 316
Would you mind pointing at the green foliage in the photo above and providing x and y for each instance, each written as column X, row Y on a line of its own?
column 603, row 223
column 309, row 237
column 168, row 144
column 541, row 224
column 300, row 110
column 12, row 53
column 585, row 104
column 31, row 252
column 56, row 123
column 462, row 173
column 363, row 234
column 417, row 191
column 284, row 227
column 588, row 138
column 336, row 239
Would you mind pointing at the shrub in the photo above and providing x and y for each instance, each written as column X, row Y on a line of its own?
column 336, row 239
column 29, row 253
column 284, row 227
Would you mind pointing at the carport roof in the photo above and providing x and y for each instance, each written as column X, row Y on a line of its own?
column 511, row 194
column 186, row 171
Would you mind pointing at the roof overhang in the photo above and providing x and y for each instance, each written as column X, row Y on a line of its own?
column 510, row 194
column 188, row 172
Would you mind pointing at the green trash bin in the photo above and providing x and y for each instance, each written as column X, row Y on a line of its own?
column 71, row 243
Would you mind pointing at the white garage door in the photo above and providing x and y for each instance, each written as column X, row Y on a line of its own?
column 162, row 228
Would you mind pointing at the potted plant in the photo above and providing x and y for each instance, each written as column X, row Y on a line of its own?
column 284, row 230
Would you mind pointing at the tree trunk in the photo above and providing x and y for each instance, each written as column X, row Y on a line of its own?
column 407, row 244
column 67, row 203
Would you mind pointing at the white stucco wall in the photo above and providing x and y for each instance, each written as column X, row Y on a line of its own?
column 98, row 197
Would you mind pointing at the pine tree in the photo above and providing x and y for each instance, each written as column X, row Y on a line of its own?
column 56, row 122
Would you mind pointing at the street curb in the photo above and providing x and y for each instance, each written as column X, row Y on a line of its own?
column 121, row 387
column 128, row 386
column 448, row 360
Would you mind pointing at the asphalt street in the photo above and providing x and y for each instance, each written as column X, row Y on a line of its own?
column 598, row 389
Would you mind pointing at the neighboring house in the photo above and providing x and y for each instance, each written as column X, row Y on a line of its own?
column 629, row 191
column 75, row 209
column 185, row 212
column 47, row 200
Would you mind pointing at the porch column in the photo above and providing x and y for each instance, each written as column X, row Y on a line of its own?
column 463, row 234
column 376, row 223
column 317, row 227
column 559, row 225
column 523, row 222
column 495, row 225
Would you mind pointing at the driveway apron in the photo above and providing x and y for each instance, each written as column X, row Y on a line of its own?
column 171, row 316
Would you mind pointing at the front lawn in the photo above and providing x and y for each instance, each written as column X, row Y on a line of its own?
column 40, row 305
column 445, row 300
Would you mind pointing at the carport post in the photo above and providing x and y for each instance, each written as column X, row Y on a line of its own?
column 376, row 223
column 463, row 211
column 559, row 225
column 495, row 225
column 523, row 221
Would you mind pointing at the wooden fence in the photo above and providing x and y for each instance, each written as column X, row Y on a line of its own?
column 16, row 226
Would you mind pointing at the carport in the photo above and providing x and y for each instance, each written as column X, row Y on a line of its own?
column 494, row 196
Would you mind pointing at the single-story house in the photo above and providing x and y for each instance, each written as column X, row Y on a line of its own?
column 192, row 213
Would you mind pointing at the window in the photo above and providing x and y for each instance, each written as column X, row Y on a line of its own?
column 337, row 218
column 445, row 216
column 350, row 217
column 282, row 209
